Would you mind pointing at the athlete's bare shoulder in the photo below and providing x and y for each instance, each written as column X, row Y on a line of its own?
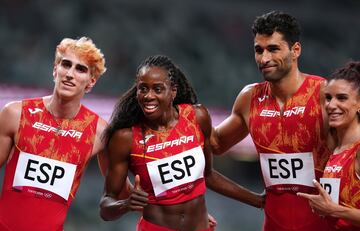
column 10, row 114
column 201, row 110
column 248, row 88
column 9, row 123
column 246, row 92
column 120, row 144
column 203, row 118
column 122, row 134
column 242, row 102
column 13, row 107
column 101, row 125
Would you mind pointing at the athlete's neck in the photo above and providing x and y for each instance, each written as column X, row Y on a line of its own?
column 167, row 121
column 62, row 109
column 285, row 88
column 347, row 137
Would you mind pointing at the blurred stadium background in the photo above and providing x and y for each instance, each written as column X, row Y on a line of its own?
column 210, row 40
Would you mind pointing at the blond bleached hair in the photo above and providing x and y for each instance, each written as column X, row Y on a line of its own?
column 85, row 49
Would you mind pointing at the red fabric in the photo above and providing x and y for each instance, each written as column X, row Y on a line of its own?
column 283, row 212
column 289, row 133
column 144, row 225
column 349, row 183
column 29, row 208
column 186, row 126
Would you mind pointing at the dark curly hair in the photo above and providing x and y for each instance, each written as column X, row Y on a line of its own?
column 127, row 111
column 276, row 21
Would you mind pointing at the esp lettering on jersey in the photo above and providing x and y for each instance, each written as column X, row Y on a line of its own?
column 173, row 171
column 332, row 187
column 287, row 169
column 44, row 173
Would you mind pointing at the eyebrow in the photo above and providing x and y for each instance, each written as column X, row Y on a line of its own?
column 274, row 45
column 76, row 65
column 342, row 94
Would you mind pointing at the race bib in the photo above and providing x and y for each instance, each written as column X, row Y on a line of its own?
column 44, row 173
column 281, row 169
column 331, row 186
column 176, row 170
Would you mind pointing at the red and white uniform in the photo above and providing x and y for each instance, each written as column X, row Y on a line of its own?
column 170, row 163
column 291, row 144
column 342, row 183
column 44, row 171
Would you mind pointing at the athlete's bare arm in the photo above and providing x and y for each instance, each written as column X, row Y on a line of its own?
column 9, row 124
column 216, row 181
column 112, row 204
column 235, row 127
column 103, row 160
column 99, row 146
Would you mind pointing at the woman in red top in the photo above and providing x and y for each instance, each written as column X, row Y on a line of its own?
column 161, row 135
column 339, row 198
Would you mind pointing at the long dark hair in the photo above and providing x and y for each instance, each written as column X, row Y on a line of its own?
column 127, row 111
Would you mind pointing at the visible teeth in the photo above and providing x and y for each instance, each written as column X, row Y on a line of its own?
column 150, row 107
column 334, row 115
column 69, row 84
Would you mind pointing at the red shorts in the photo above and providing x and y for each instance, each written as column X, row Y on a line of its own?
column 144, row 225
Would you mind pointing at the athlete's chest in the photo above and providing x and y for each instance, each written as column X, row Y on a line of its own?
column 67, row 140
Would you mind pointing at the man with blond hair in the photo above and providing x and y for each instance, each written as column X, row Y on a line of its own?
column 47, row 142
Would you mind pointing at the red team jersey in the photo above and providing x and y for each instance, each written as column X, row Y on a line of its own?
column 342, row 183
column 44, row 171
column 170, row 163
column 291, row 145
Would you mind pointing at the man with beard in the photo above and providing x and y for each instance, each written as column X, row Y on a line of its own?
column 285, row 118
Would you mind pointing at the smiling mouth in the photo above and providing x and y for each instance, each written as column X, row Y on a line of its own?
column 69, row 84
column 150, row 108
column 266, row 68
column 334, row 115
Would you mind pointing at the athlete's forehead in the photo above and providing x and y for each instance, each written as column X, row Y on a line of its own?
column 74, row 58
column 274, row 40
column 153, row 74
column 340, row 86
